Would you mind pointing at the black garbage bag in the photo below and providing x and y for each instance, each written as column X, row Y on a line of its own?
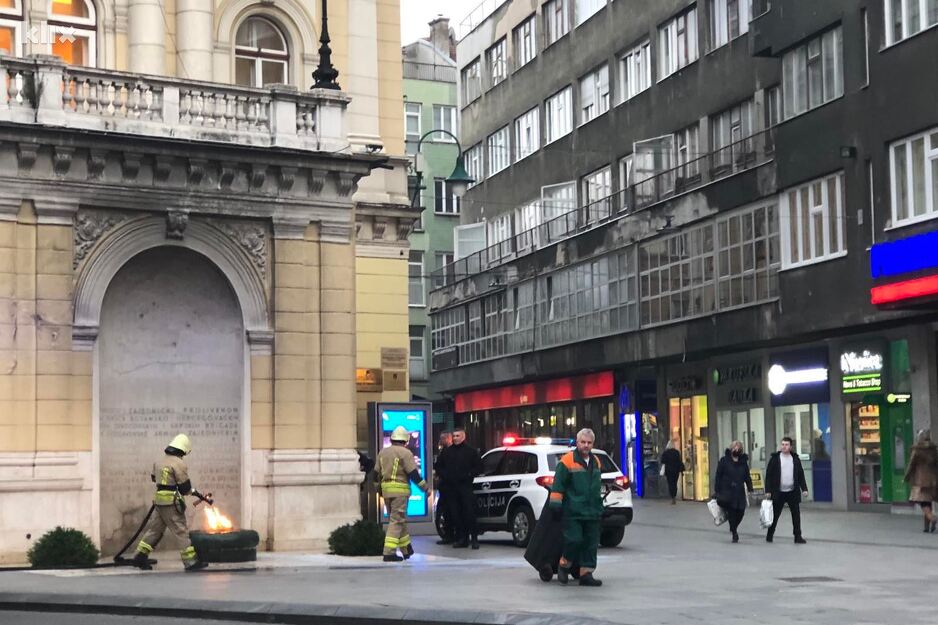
column 546, row 546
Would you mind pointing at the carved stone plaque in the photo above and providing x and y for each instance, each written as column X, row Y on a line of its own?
column 171, row 361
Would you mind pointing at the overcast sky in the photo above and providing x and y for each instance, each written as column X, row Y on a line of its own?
column 415, row 14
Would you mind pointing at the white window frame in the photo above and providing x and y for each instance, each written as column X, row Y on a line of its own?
column 260, row 56
column 585, row 9
column 625, row 172
column 16, row 25
column 445, row 201
column 594, row 94
column 556, row 21
column 444, row 118
column 905, row 7
column 798, row 66
column 496, row 60
column 635, row 75
column 678, row 44
column 687, row 150
column 411, row 265
column 906, row 184
column 527, row 134
column 474, row 164
column 498, row 147
column 422, row 339
column 77, row 27
column 443, row 259
column 558, row 115
column 596, row 185
column 793, row 221
column 721, row 14
column 471, row 81
column 524, row 40
column 410, row 115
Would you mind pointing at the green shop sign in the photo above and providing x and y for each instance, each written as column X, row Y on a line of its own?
column 862, row 370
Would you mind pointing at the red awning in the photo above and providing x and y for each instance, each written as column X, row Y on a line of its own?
column 534, row 393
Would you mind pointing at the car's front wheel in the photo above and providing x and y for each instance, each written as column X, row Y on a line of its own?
column 611, row 536
column 522, row 524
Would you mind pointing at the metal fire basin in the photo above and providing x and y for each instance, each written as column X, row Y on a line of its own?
column 230, row 546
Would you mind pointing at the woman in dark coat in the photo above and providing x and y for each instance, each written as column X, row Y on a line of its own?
column 730, row 485
column 673, row 467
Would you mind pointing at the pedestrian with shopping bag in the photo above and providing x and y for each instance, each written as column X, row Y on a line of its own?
column 730, row 486
column 671, row 468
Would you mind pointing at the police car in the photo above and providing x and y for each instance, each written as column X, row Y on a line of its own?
column 515, row 483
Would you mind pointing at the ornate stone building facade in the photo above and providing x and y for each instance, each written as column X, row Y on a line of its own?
column 180, row 254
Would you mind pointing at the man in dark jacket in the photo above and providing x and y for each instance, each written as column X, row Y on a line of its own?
column 442, row 500
column 457, row 466
column 785, row 484
column 576, row 494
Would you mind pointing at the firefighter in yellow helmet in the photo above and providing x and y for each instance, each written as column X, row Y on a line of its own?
column 172, row 483
column 395, row 468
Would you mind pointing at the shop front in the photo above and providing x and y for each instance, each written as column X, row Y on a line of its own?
column 875, row 383
column 688, row 420
column 738, row 401
column 799, row 384
column 643, row 437
column 556, row 408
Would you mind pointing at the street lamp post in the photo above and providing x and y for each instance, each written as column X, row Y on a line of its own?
column 459, row 180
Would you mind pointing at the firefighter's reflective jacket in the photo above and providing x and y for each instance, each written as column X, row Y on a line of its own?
column 395, row 468
column 172, row 480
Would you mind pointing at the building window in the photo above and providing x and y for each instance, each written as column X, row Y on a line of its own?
column 412, row 111
column 442, row 260
column 474, row 164
column 728, row 20
column 527, row 134
column 749, row 256
column 556, row 22
column 594, row 94
column 524, row 42
column 677, row 276
column 559, row 114
column 448, row 328
column 499, row 150
column 687, row 151
column 597, row 185
column 496, row 58
column 677, row 43
column 814, row 214
column 261, row 54
column 625, row 173
column 416, row 342
column 446, row 201
column 415, row 279
column 812, row 74
column 444, row 118
column 73, row 26
column 635, row 70
column 586, row 9
column 913, row 172
column 866, row 44
column 727, row 131
column 11, row 28
column 905, row 18
column 471, row 82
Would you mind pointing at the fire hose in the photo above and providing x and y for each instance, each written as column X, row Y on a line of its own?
column 120, row 559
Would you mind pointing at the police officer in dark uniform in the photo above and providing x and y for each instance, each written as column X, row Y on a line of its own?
column 457, row 466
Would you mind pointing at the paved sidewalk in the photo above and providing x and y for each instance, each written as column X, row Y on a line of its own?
column 674, row 567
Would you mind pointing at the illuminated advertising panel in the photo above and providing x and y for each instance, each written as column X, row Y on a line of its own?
column 415, row 417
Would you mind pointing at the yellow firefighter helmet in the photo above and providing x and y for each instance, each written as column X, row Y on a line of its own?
column 182, row 443
column 400, row 434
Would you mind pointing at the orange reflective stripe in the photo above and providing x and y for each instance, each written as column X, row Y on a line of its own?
column 556, row 496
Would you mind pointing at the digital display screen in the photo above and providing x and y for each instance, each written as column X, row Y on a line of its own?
column 414, row 421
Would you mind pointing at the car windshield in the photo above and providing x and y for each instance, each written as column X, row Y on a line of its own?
column 553, row 459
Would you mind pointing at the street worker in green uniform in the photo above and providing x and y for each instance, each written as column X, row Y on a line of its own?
column 394, row 470
column 576, row 495
column 171, row 476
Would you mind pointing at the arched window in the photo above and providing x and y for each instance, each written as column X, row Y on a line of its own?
column 261, row 53
column 73, row 27
column 11, row 27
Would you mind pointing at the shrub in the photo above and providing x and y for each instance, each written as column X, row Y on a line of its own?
column 362, row 538
column 63, row 547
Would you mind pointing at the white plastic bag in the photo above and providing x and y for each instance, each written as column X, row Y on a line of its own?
column 766, row 514
column 661, row 471
column 719, row 516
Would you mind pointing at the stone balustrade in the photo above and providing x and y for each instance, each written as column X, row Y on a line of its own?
column 42, row 90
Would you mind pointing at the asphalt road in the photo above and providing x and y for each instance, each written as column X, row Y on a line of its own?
column 54, row 618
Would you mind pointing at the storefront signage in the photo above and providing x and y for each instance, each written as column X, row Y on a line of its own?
column 799, row 377
column 738, row 384
column 686, row 385
column 758, row 486
column 862, row 370
column 905, row 257
column 538, row 393
column 741, row 373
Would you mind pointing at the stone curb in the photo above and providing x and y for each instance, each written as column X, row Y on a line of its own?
column 271, row 612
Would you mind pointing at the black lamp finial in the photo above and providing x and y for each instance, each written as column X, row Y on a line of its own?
column 326, row 74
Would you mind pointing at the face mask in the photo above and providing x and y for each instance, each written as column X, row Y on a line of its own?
column 735, row 452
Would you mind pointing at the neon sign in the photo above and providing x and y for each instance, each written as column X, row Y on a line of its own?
column 780, row 379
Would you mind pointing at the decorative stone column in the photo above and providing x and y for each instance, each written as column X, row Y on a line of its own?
column 147, row 41
column 194, row 39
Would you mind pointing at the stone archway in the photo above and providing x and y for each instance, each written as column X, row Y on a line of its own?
column 171, row 352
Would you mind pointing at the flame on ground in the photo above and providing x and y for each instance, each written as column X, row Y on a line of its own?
column 216, row 521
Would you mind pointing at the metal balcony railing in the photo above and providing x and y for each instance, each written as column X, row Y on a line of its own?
column 742, row 155
column 429, row 71
column 478, row 15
